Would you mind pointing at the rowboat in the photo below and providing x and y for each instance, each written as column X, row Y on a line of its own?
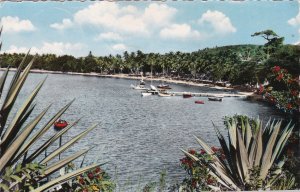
column 199, row 102
column 187, row 95
column 215, row 98
column 60, row 124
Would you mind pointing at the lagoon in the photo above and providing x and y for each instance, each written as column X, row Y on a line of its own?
column 138, row 137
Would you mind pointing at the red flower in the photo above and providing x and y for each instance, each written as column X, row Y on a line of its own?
column 279, row 77
column 90, row 175
column 202, row 151
column 294, row 92
column 288, row 106
column 194, row 183
column 214, row 149
column 276, row 69
column 85, row 190
column 81, row 181
column 97, row 170
column 192, row 151
column 261, row 88
column 209, row 181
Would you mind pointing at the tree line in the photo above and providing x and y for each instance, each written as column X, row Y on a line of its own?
column 237, row 64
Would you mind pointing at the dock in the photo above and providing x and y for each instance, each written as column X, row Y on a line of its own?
column 210, row 94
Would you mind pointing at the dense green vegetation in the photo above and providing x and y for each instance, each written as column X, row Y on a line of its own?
column 238, row 64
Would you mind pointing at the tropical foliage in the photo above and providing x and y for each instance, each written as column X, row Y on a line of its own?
column 238, row 64
column 283, row 90
column 253, row 156
column 22, row 166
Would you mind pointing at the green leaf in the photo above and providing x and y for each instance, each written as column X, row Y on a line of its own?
column 49, row 170
column 67, row 145
column 14, row 126
column 16, row 178
column 8, row 156
column 4, row 187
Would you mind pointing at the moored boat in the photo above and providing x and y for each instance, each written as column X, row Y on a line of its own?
column 145, row 94
column 187, row 95
column 163, row 86
column 60, row 124
column 138, row 87
column 199, row 102
column 164, row 95
column 215, row 98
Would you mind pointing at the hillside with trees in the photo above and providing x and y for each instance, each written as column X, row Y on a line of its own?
column 237, row 64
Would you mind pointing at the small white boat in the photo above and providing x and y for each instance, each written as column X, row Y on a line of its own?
column 164, row 95
column 138, row 87
column 145, row 94
column 153, row 88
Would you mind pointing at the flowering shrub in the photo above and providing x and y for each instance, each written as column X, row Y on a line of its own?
column 283, row 90
column 198, row 177
column 92, row 181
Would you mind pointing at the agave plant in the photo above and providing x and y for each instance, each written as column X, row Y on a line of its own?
column 17, row 163
column 251, row 153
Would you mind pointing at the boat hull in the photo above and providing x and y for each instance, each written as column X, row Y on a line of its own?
column 199, row 102
column 214, row 99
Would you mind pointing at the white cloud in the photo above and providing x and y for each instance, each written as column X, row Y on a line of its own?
column 58, row 48
column 66, row 23
column 119, row 47
column 14, row 24
column 219, row 21
column 159, row 14
column 179, row 31
column 128, row 19
column 109, row 36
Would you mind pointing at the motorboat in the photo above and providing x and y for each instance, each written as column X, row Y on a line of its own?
column 164, row 95
column 163, row 86
column 138, row 87
column 145, row 94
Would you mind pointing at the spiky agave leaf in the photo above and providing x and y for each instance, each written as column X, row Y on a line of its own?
column 253, row 149
column 17, row 138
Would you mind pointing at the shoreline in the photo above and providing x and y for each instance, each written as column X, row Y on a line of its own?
column 126, row 76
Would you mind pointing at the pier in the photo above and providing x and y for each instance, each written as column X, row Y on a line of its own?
column 242, row 94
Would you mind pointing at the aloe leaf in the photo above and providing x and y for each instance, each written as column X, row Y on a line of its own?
column 67, row 145
column 51, row 140
column 64, row 178
column 13, row 129
column 243, row 157
column 194, row 158
column 15, row 89
column 259, row 146
column 281, row 142
column 50, row 169
column 8, row 155
column 248, row 134
column 266, row 161
column 2, row 80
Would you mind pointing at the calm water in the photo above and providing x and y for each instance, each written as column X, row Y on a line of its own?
column 139, row 137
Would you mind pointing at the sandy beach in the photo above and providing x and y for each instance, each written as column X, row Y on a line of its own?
column 126, row 76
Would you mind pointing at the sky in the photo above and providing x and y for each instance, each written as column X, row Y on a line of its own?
column 107, row 27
